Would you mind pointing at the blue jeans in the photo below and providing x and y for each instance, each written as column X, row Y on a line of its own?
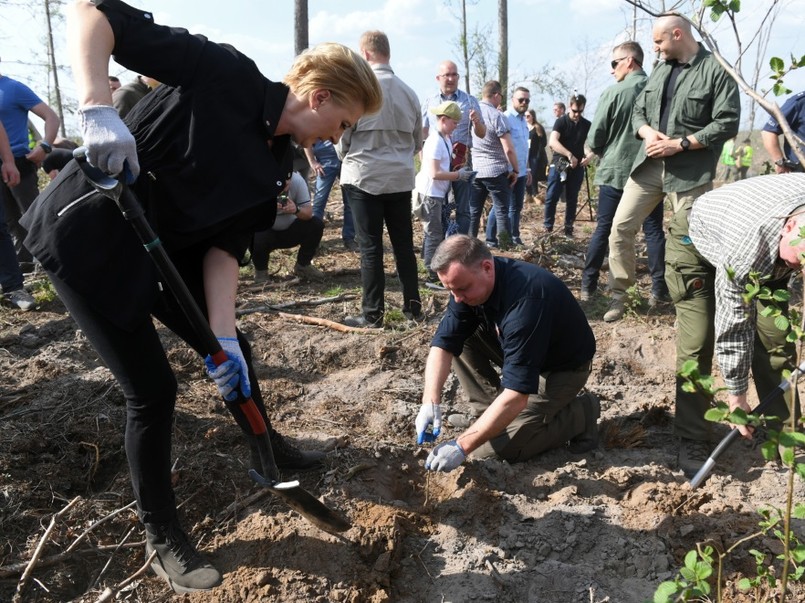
column 370, row 213
column 608, row 199
column 498, row 188
column 515, row 209
column 324, row 184
column 10, row 273
column 571, row 186
column 432, row 228
column 462, row 192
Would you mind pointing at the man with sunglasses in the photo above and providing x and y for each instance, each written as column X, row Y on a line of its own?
column 689, row 108
column 611, row 138
column 566, row 171
column 518, row 127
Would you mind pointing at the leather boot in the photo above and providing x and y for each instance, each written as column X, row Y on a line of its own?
column 177, row 561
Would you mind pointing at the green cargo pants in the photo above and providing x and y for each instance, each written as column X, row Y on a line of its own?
column 691, row 284
column 552, row 417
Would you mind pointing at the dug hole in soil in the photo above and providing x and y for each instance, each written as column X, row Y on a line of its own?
column 607, row 526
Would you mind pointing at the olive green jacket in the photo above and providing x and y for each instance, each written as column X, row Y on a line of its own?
column 705, row 104
column 611, row 135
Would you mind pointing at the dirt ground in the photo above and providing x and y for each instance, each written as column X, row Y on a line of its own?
column 607, row 526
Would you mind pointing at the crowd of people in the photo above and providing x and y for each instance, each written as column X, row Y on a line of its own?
column 514, row 334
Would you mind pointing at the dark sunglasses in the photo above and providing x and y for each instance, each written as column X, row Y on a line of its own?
column 615, row 62
column 522, row 100
column 577, row 110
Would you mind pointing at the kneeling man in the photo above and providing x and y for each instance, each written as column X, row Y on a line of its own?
column 522, row 318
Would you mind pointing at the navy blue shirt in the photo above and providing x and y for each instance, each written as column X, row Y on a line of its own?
column 794, row 111
column 540, row 325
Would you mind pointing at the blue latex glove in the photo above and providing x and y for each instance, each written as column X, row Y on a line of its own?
column 110, row 144
column 445, row 457
column 429, row 414
column 232, row 374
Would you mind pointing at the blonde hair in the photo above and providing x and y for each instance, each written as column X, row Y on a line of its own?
column 375, row 42
column 334, row 67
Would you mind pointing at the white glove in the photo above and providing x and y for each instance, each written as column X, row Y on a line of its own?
column 429, row 414
column 445, row 457
column 110, row 145
column 466, row 173
column 233, row 373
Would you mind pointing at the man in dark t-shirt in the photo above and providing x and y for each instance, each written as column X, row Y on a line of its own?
column 521, row 318
column 566, row 171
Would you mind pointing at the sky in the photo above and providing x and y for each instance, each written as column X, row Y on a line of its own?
column 572, row 37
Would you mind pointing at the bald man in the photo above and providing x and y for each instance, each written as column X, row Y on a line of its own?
column 471, row 121
column 689, row 108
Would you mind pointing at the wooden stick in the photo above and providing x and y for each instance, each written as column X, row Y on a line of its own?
column 292, row 304
column 96, row 524
column 241, row 504
column 26, row 575
column 9, row 571
column 267, row 285
column 323, row 322
column 112, row 556
column 110, row 591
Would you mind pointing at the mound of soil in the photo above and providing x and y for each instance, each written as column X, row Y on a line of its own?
column 608, row 526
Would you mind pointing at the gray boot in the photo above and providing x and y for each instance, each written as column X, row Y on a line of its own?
column 177, row 561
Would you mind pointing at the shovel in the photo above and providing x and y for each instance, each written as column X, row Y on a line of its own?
column 244, row 410
column 728, row 439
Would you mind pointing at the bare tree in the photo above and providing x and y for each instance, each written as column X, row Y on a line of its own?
column 300, row 29
column 483, row 57
column 464, row 42
column 54, row 70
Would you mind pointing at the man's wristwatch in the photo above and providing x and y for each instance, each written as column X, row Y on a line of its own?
column 684, row 143
column 46, row 146
column 780, row 162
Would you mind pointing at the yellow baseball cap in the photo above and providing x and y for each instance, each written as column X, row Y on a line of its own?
column 449, row 109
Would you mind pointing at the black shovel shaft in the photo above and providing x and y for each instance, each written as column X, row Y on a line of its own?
column 244, row 410
column 249, row 417
column 733, row 435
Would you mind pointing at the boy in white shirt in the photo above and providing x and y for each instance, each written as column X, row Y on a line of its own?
column 434, row 178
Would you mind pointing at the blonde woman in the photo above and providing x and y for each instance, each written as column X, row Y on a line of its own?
column 215, row 142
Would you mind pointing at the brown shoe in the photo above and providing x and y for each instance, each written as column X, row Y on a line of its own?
column 692, row 455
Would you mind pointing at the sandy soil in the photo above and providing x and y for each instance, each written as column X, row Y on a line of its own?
column 608, row 526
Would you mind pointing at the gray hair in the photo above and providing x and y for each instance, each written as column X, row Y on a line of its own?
column 466, row 250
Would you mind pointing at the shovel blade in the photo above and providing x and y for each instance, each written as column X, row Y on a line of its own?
column 304, row 503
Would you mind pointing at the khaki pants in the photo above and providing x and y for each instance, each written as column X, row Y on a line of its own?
column 642, row 193
column 552, row 417
column 691, row 281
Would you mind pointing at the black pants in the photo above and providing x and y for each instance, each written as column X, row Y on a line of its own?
column 305, row 233
column 139, row 363
column 369, row 213
column 16, row 201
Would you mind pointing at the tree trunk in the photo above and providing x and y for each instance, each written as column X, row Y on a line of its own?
column 465, row 46
column 54, row 70
column 503, row 53
column 301, row 38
